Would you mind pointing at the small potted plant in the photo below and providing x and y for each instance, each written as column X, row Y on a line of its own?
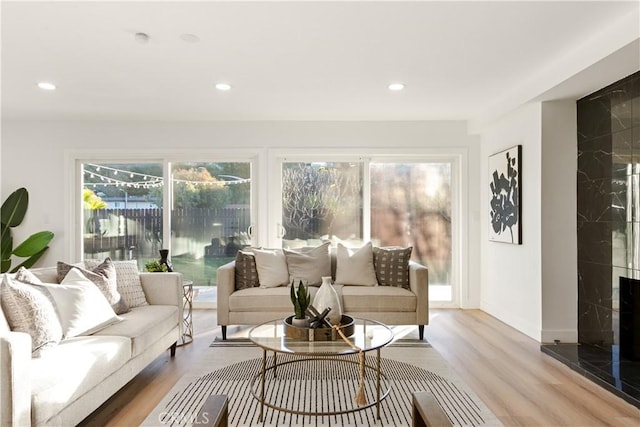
column 155, row 267
column 301, row 300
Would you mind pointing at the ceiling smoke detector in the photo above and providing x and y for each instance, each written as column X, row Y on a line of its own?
column 142, row 38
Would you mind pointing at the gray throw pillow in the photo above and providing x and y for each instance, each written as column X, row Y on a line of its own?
column 309, row 264
column 31, row 309
column 128, row 281
column 392, row 266
column 104, row 277
column 246, row 273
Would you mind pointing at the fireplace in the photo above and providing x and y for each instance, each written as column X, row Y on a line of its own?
column 629, row 318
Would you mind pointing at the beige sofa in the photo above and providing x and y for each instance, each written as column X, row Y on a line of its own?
column 70, row 381
column 386, row 304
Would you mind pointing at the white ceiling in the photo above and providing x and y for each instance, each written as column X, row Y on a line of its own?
column 306, row 60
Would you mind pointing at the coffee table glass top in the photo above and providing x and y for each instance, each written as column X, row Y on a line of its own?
column 368, row 335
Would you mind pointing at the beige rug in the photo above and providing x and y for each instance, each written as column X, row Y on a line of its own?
column 230, row 368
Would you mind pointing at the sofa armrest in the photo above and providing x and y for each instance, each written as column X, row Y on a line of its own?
column 164, row 289
column 226, row 286
column 15, row 382
column 419, row 285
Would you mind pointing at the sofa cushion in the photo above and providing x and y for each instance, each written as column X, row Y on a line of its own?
column 246, row 273
column 31, row 309
column 104, row 277
column 144, row 326
column 272, row 267
column 392, row 266
column 377, row 299
column 128, row 281
column 257, row 299
column 355, row 267
column 82, row 308
column 309, row 264
column 71, row 369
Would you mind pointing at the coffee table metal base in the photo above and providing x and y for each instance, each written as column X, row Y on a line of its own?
column 258, row 384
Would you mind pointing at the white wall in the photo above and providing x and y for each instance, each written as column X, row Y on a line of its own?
column 34, row 155
column 533, row 286
column 511, row 274
column 559, row 224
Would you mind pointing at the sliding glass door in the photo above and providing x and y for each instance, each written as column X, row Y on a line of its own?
column 207, row 207
column 391, row 203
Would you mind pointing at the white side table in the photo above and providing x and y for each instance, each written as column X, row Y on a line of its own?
column 187, row 312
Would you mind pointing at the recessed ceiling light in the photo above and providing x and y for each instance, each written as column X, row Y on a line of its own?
column 223, row 86
column 396, row 86
column 189, row 38
column 46, row 86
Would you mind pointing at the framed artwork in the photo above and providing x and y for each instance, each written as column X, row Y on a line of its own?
column 505, row 185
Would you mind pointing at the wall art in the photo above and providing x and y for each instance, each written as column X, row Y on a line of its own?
column 505, row 185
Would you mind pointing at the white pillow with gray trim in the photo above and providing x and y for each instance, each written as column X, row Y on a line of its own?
column 272, row 267
column 355, row 266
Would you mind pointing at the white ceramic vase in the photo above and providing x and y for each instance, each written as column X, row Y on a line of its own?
column 328, row 297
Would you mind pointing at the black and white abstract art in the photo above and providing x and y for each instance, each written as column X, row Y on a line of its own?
column 505, row 194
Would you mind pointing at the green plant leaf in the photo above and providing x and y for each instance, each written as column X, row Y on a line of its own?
column 15, row 207
column 7, row 244
column 5, row 265
column 28, row 263
column 34, row 244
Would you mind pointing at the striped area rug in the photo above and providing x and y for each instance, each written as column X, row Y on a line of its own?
column 231, row 368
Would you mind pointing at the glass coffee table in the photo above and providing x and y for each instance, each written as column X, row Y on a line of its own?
column 334, row 356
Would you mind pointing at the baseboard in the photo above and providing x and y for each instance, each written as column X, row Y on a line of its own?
column 515, row 322
column 562, row 335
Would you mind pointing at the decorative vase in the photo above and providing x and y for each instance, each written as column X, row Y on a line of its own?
column 328, row 297
column 164, row 259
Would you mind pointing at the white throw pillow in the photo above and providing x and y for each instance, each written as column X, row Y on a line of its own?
column 355, row 267
column 83, row 309
column 272, row 267
column 309, row 264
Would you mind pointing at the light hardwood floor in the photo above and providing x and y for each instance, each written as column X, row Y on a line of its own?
column 520, row 384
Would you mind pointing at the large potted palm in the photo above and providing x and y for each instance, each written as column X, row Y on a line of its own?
column 12, row 213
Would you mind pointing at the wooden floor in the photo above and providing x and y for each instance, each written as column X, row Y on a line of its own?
column 520, row 384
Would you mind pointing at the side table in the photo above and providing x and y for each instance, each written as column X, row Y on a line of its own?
column 187, row 312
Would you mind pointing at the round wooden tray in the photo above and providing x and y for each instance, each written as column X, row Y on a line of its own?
column 319, row 334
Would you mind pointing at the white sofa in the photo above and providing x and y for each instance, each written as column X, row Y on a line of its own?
column 70, row 381
column 386, row 304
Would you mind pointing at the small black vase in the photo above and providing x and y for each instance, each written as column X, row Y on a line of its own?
column 164, row 259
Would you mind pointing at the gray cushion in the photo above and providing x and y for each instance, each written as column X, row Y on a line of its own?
column 309, row 264
column 377, row 299
column 128, row 281
column 144, row 325
column 31, row 309
column 392, row 266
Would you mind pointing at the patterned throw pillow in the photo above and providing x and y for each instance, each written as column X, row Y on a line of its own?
column 104, row 277
column 128, row 281
column 31, row 309
column 245, row 271
column 392, row 266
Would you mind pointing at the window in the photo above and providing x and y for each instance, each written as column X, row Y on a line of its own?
column 391, row 203
column 126, row 210
column 122, row 210
column 321, row 200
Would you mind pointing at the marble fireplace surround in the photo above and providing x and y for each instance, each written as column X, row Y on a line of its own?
column 608, row 199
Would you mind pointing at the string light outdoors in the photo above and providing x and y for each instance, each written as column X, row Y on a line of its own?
column 143, row 180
